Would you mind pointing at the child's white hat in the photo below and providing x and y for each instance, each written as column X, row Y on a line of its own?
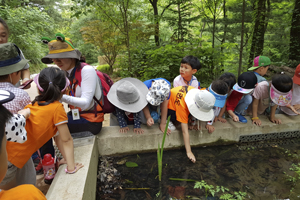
column 159, row 91
column 200, row 104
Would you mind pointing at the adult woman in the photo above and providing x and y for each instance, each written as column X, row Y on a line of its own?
column 4, row 33
column 86, row 111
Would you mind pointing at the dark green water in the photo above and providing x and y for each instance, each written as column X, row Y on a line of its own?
column 258, row 169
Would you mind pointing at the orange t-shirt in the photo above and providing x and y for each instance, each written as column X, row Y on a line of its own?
column 41, row 126
column 177, row 103
column 26, row 192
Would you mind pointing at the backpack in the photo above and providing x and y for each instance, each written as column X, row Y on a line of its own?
column 106, row 83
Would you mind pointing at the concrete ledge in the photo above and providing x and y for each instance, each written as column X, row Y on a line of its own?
column 110, row 141
column 81, row 185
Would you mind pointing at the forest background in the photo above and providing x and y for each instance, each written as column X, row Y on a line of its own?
column 148, row 38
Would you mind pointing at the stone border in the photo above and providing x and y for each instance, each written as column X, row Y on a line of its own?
column 82, row 185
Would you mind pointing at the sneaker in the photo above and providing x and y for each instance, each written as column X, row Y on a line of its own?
column 242, row 119
column 171, row 126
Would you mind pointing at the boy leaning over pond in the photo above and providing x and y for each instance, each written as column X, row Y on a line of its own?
column 185, row 100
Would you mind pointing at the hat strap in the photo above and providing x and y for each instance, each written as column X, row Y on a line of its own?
column 10, row 61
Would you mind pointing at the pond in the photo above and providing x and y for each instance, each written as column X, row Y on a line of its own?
column 254, row 170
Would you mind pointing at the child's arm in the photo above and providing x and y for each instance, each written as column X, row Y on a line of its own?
column 186, row 139
column 272, row 115
column 234, row 117
column 210, row 128
column 294, row 108
column 255, row 119
column 163, row 119
column 137, row 123
column 64, row 143
column 147, row 114
column 121, row 119
column 219, row 117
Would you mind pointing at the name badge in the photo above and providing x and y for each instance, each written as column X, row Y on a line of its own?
column 75, row 114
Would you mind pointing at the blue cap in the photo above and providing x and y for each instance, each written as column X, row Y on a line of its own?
column 220, row 99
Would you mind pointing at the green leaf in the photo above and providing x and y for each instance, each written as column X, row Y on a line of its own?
column 131, row 164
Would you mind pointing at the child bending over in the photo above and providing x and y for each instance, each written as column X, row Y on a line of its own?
column 47, row 119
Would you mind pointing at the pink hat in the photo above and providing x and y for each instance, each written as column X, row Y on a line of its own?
column 280, row 98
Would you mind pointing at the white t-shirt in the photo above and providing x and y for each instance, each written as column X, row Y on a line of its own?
column 295, row 100
column 178, row 81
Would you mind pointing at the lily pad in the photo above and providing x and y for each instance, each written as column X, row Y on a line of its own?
column 131, row 164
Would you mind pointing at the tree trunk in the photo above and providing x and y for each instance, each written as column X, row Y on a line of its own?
column 257, row 45
column 225, row 31
column 242, row 39
column 156, row 18
column 294, row 34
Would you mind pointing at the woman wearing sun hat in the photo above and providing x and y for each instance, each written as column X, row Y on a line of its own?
column 86, row 114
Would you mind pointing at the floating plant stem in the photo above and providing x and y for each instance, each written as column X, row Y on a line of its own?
column 181, row 179
column 160, row 151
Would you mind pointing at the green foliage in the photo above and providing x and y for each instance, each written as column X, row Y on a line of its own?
column 27, row 26
column 222, row 191
column 152, row 62
column 104, row 68
column 131, row 164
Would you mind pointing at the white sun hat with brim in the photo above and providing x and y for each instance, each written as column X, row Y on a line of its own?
column 200, row 104
column 128, row 94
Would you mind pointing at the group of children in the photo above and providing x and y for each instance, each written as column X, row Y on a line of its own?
column 187, row 103
column 35, row 123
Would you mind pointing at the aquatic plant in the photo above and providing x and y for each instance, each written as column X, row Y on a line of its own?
column 212, row 190
column 160, row 151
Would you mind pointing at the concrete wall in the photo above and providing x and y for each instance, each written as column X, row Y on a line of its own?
column 82, row 185
column 110, row 141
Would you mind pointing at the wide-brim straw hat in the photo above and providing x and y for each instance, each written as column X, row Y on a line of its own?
column 128, row 94
column 10, row 60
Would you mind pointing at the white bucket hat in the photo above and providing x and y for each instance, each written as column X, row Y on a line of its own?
column 200, row 104
column 128, row 94
column 159, row 91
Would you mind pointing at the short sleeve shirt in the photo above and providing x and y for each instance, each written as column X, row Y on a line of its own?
column 41, row 126
column 177, row 103
column 22, row 192
column 261, row 92
column 179, row 81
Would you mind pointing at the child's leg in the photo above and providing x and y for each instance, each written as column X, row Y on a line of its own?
column 243, row 104
column 47, row 148
column 27, row 174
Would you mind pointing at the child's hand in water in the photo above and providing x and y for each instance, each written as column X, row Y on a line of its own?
column 124, row 129
column 138, row 130
column 191, row 156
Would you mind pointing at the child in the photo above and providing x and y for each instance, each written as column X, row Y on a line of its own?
column 10, row 74
column 25, row 73
column 219, row 89
column 129, row 97
column 158, row 94
column 230, row 80
column 23, row 191
column 295, row 104
column 188, row 67
column 185, row 100
column 260, row 67
column 236, row 104
column 47, row 119
column 270, row 95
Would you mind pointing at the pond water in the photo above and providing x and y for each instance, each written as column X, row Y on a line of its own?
column 260, row 170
